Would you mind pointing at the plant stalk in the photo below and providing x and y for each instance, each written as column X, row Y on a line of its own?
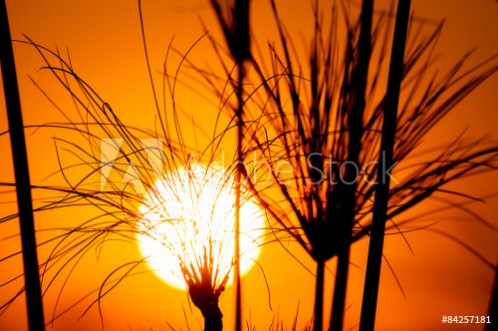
column 238, row 178
column 206, row 298
column 356, row 111
column 340, row 289
column 213, row 318
column 21, row 172
column 319, row 287
column 379, row 218
column 493, row 305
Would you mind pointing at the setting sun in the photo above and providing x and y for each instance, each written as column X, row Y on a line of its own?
column 190, row 213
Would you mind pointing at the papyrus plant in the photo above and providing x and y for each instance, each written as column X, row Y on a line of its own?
column 111, row 167
column 320, row 126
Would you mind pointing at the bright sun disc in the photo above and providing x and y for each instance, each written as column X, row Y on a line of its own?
column 189, row 211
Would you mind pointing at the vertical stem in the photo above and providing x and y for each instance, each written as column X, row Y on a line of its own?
column 21, row 173
column 238, row 290
column 240, row 47
column 379, row 219
column 213, row 318
column 236, row 31
column 320, row 279
column 493, row 305
column 340, row 289
column 348, row 189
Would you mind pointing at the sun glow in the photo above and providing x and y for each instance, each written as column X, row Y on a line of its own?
column 189, row 215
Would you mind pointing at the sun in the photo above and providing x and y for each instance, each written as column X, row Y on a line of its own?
column 190, row 212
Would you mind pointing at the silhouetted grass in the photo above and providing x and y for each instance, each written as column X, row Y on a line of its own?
column 322, row 112
column 106, row 149
column 313, row 115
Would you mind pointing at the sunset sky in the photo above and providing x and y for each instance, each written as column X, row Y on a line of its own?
column 104, row 40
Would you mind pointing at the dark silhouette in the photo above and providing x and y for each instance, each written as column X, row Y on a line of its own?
column 21, row 171
column 381, row 202
column 493, row 305
column 302, row 112
column 316, row 110
column 205, row 294
column 345, row 196
column 235, row 28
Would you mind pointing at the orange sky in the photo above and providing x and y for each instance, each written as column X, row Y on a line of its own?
column 106, row 49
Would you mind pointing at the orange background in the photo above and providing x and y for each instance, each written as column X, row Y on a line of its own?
column 104, row 41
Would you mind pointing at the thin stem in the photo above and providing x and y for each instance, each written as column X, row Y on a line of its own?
column 493, row 304
column 240, row 160
column 21, row 173
column 341, row 279
column 349, row 188
column 320, row 278
column 379, row 218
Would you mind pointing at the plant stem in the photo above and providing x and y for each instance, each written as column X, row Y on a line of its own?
column 239, row 44
column 213, row 318
column 339, row 300
column 379, row 219
column 205, row 296
column 21, row 173
column 238, row 177
column 493, row 305
column 206, row 300
column 356, row 111
column 320, row 278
